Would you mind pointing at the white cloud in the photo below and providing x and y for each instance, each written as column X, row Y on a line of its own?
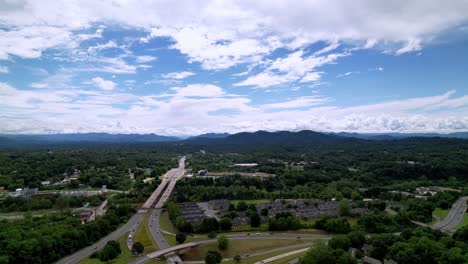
column 99, row 47
column 347, row 74
column 103, row 84
column 4, row 69
column 178, row 75
column 199, row 90
column 39, row 85
column 305, row 101
column 227, row 33
column 145, row 59
column 207, row 108
column 294, row 67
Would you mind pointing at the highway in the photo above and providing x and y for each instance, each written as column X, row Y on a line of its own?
column 264, row 236
column 85, row 252
column 133, row 222
column 171, row 178
column 454, row 217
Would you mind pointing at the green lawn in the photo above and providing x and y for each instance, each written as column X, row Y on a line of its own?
column 248, row 228
column 166, row 223
column 143, row 235
column 124, row 257
column 251, row 260
column 440, row 213
column 170, row 239
column 251, row 201
column 286, row 260
column 464, row 222
column 238, row 247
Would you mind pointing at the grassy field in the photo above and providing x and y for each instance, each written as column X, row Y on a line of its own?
column 166, row 223
column 440, row 213
column 124, row 257
column 286, row 260
column 143, row 235
column 464, row 222
column 251, row 260
column 251, row 201
column 238, row 247
column 248, row 228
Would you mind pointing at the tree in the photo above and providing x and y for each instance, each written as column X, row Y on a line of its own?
column 110, row 251
column 340, row 242
column 344, row 207
column 212, row 234
column 241, row 206
column 453, row 256
column 225, row 223
column 223, row 242
column 213, row 257
column 255, row 219
column 322, row 254
column 207, row 225
column 237, row 258
column 137, row 248
column 461, row 234
column 181, row 237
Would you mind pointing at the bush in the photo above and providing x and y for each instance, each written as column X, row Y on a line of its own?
column 225, row 223
column 110, row 251
column 137, row 248
column 180, row 238
column 223, row 242
column 213, row 257
column 254, row 220
column 212, row 234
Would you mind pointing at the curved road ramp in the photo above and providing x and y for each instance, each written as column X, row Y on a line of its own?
column 454, row 217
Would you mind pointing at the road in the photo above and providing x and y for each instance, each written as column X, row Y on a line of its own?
column 132, row 224
column 454, row 217
column 85, row 252
column 282, row 256
column 264, row 236
column 171, row 178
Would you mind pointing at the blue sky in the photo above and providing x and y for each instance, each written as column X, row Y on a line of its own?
column 194, row 67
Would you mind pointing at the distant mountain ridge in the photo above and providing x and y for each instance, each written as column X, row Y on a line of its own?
column 390, row 136
column 92, row 137
column 258, row 137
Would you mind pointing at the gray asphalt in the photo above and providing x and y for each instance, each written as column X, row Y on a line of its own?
column 87, row 251
column 133, row 222
column 455, row 215
column 144, row 259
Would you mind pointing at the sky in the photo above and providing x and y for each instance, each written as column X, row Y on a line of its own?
column 184, row 68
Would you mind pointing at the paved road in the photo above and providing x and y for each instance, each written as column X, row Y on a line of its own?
column 85, row 252
column 455, row 215
column 303, row 237
column 134, row 221
column 282, row 256
column 171, row 178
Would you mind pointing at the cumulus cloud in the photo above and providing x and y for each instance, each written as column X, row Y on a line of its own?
column 199, row 90
column 178, row 75
column 145, row 59
column 103, row 84
column 295, row 67
column 203, row 108
column 39, row 85
column 4, row 69
column 227, row 33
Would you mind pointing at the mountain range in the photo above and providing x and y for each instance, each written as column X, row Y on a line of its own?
column 258, row 137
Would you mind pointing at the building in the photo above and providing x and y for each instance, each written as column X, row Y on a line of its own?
column 86, row 216
column 220, row 206
column 202, row 172
column 45, row 183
